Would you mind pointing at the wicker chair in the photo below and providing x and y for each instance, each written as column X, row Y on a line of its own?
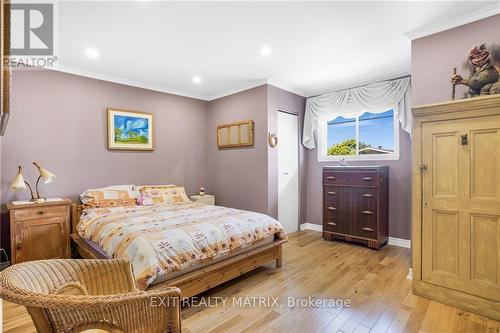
column 74, row 295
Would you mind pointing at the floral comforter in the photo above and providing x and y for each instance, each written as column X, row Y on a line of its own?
column 170, row 237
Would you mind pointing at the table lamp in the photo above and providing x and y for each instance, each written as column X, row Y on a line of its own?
column 19, row 184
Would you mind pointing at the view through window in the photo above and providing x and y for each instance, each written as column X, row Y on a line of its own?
column 368, row 134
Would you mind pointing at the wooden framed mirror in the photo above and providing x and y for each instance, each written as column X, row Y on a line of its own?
column 234, row 135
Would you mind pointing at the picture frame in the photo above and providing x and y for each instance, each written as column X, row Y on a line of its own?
column 235, row 135
column 130, row 130
column 5, row 74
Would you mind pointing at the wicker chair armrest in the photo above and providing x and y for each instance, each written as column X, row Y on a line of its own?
column 166, row 297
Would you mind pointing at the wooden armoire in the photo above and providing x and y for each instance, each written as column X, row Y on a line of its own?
column 456, row 204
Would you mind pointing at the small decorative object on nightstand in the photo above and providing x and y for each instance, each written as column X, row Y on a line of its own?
column 206, row 199
column 202, row 191
column 39, row 230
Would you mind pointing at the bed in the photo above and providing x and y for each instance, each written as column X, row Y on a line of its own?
column 154, row 239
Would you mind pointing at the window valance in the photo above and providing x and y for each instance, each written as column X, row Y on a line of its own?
column 375, row 98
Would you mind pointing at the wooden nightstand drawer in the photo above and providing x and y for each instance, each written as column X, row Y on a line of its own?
column 36, row 213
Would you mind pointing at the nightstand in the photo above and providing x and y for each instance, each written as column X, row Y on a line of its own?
column 39, row 230
column 206, row 199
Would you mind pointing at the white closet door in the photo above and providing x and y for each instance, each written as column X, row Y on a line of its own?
column 288, row 171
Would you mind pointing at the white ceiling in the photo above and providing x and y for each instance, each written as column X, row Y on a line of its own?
column 316, row 46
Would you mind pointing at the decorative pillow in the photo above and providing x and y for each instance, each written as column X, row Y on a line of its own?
column 111, row 196
column 71, row 288
column 164, row 194
column 145, row 200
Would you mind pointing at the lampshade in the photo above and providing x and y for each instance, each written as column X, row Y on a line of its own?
column 18, row 182
column 47, row 176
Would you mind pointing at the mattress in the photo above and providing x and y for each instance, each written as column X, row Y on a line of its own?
column 167, row 240
column 225, row 256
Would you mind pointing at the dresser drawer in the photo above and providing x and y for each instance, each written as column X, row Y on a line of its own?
column 332, row 211
column 366, row 198
column 365, row 194
column 348, row 178
column 40, row 213
column 331, row 195
column 332, row 225
column 367, row 232
column 365, row 222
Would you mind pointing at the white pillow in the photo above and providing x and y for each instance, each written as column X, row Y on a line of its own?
column 131, row 188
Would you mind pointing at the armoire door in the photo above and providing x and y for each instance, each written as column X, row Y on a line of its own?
column 461, row 205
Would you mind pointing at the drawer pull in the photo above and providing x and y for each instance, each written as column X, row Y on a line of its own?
column 332, row 208
column 40, row 212
column 331, row 223
column 367, row 229
column 367, row 179
column 367, row 195
column 330, row 177
column 332, row 193
column 367, row 212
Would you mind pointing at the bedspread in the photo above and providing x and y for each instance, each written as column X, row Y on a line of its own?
column 165, row 238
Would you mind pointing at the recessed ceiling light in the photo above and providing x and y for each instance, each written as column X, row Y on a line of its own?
column 265, row 51
column 92, row 53
column 196, row 80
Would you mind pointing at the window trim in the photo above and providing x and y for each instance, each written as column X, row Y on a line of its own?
column 323, row 141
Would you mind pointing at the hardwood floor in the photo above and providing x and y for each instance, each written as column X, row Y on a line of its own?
column 374, row 282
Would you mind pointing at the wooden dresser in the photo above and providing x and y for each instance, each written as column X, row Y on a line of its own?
column 39, row 231
column 355, row 204
column 456, row 204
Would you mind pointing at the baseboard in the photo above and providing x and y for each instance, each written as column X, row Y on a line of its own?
column 399, row 242
column 311, row 226
column 392, row 240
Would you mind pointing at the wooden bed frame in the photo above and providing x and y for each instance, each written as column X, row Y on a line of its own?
column 197, row 281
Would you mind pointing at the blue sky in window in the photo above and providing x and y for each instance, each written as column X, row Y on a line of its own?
column 376, row 130
column 341, row 129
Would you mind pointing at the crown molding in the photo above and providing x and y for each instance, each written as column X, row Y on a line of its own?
column 147, row 86
column 286, row 87
column 127, row 82
column 243, row 87
column 427, row 30
column 357, row 83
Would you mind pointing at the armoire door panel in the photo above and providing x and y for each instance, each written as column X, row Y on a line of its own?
column 485, row 253
column 445, row 165
column 443, row 239
column 484, row 164
column 442, row 197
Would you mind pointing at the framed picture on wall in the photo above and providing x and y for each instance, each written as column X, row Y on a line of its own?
column 234, row 135
column 130, row 130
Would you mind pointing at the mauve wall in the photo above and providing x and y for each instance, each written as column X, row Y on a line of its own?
column 434, row 57
column 282, row 100
column 60, row 120
column 239, row 175
column 399, row 187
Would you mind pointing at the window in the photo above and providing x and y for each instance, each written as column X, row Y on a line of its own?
column 371, row 136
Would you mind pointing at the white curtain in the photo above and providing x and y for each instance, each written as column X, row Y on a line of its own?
column 375, row 98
